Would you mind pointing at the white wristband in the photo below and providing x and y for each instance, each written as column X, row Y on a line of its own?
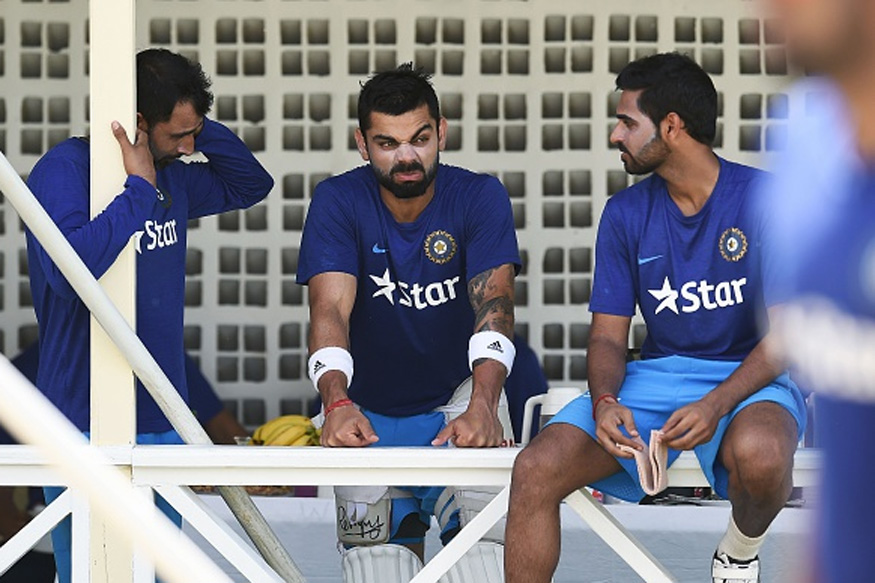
column 494, row 345
column 329, row 358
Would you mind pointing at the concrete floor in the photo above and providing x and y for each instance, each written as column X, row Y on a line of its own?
column 683, row 538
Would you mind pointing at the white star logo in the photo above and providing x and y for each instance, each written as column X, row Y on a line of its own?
column 137, row 236
column 668, row 298
column 386, row 285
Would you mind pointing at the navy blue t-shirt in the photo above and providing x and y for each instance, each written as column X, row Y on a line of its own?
column 232, row 179
column 412, row 318
column 695, row 278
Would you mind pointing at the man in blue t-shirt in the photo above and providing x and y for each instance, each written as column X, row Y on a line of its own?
column 161, row 194
column 683, row 247
column 822, row 196
column 410, row 266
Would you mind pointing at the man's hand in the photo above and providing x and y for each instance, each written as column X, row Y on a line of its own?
column 347, row 427
column 691, row 425
column 137, row 157
column 476, row 427
column 610, row 416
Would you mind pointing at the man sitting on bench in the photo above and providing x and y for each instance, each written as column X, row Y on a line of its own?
column 683, row 246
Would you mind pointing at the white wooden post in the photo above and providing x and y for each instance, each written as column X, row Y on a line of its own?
column 113, row 414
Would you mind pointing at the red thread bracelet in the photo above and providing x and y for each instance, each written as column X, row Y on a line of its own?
column 336, row 405
column 595, row 403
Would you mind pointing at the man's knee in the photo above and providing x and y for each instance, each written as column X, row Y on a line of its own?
column 533, row 468
column 546, row 467
column 761, row 463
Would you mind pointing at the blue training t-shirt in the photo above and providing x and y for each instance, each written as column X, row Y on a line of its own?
column 412, row 318
column 696, row 279
column 232, row 179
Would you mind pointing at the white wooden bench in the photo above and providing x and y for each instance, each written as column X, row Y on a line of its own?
column 426, row 466
column 166, row 468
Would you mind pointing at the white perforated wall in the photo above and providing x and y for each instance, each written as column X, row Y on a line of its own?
column 528, row 90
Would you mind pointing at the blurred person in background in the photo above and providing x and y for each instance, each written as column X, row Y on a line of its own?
column 822, row 209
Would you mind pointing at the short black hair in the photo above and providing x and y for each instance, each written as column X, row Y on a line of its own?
column 672, row 82
column 164, row 79
column 396, row 92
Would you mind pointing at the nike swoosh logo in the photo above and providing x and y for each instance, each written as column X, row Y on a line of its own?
column 643, row 260
column 377, row 249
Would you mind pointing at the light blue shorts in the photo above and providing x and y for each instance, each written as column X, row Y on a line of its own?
column 654, row 389
column 412, row 431
column 62, row 535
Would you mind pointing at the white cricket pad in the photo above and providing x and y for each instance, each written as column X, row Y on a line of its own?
column 364, row 513
column 483, row 563
column 380, row 564
column 468, row 501
column 458, row 404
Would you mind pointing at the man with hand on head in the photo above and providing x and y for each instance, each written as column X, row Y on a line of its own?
column 161, row 194
column 684, row 246
column 410, row 266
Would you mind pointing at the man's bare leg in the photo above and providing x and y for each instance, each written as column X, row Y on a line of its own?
column 757, row 450
column 560, row 459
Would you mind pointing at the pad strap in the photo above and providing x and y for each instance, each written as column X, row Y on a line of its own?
column 329, row 358
column 491, row 344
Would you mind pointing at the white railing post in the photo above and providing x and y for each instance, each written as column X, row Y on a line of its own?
column 113, row 413
column 30, row 418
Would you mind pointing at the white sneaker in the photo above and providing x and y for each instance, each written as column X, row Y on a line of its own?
column 726, row 570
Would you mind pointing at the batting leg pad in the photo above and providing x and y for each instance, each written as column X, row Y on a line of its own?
column 458, row 404
column 483, row 563
column 380, row 564
column 468, row 502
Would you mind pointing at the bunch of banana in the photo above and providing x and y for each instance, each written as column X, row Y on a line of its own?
column 287, row 430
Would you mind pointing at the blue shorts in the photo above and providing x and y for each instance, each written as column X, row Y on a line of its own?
column 412, row 431
column 654, row 389
column 62, row 536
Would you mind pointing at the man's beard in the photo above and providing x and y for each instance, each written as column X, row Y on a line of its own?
column 160, row 159
column 649, row 158
column 407, row 189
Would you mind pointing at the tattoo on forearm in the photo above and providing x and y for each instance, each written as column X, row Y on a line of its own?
column 477, row 287
column 495, row 314
column 491, row 296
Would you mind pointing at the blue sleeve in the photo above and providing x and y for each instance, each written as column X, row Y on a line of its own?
column 490, row 235
column 202, row 399
column 61, row 184
column 613, row 290
column 232, row 179
column 329, row 241
column 776, row 272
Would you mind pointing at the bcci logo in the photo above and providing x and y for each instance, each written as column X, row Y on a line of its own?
column 733, row 244
column 440, row 247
